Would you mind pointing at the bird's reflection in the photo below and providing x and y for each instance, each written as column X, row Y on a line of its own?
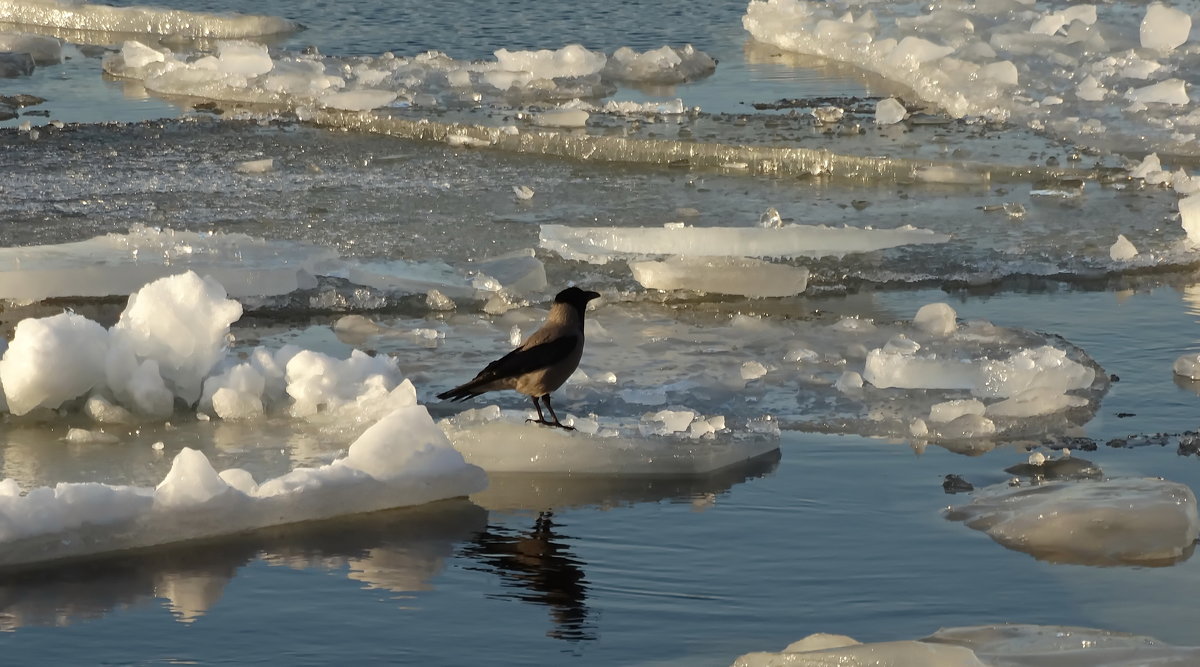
column 538, row 564
column 396, row 550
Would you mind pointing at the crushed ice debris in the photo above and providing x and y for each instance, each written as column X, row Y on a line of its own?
column 1008, row 644
column 667, row 441
column 1113, row 522
column 402, row 459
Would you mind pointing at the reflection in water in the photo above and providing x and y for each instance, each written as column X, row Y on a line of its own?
column 397, row 550
column 539, row 565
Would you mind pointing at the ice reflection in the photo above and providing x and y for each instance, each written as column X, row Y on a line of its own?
column 397, row 550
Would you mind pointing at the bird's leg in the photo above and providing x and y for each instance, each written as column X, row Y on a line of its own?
column 549, row 407
column 536, row 406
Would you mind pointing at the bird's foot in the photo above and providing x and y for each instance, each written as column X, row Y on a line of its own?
column 543, row 422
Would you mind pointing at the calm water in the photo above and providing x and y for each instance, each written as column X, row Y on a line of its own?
column 835, row 533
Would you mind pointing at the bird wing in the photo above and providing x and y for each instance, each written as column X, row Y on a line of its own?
column 528, row 359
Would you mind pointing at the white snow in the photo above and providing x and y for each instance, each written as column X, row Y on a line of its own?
column 598, row 245
column 1116, row 521
column 403, row 459
column 721, row 275
column 663, row 442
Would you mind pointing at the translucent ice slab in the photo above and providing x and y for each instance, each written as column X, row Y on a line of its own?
column 598, row 245
column 1145, row 521
column 733, row 275
column 116, row 264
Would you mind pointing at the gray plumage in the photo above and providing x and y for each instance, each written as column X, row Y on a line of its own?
column 542, row 363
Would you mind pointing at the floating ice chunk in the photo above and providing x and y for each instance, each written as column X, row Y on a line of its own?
column 1045, row 367
column 413, row 278
column 1149, row 165
column 1119, row 521
column 1008, row 644
column 52, row 360
column 1122, row 250
column 670, row 446
column 181, row 323
column 936, row 319
column 880, row 653
column 572, row 60
column 721, row 275
column 948, row 411
column 518, row 272
column 753, row 370
column 362, row 99
column 1034, row 403
column 404, row 444
column 849, row 382
column 1188, row 366
column 889, row 112
column 1189, row 215
column 1091, row 89
column 13, row 65
column 522, row 192
column 1164, row 28
column 235, row 394
column 84, row 436
column 599, row 244
column 1171, row 91
column 1004, row 72
column 915, row 50
column 1049, row 24
column 438, row 301
column 43, row 50
column 770, row 219
column 122, row 263
column 562, row 118
column 950, row 175
column 255, row 166
column 665, row 65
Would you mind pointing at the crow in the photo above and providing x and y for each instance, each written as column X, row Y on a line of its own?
column 542, row 363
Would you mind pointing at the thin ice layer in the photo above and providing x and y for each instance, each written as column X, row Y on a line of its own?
column 733, row 275
column 666, row 442
column 403, row 459
column 598, row 245
column 1143, row 521
column 115, row 264
column 152, row 20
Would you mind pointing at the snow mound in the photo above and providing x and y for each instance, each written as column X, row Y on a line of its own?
column 666, row 442
column 1113, row 522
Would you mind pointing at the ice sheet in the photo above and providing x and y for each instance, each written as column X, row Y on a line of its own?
column 141, row 19
column 734, row 275
column 599, row 245
column 1145, row 521
column 403, row 459
column 501, row 441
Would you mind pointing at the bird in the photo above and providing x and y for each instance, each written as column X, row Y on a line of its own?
column 542, row 363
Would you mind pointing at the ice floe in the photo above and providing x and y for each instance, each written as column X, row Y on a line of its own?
column 599, row 245
column 720, row 275
column 1061, row 70
column 1139, row 521
column 1014, row 645
column 664, row 442
column 403, row 459
column 140, row 19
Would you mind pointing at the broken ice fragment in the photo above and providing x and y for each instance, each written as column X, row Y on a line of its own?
column 1122, row 250
column 1164, row 28
column 742, row 276
column 889, row 112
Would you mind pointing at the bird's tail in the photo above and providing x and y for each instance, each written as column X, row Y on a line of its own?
column 460, row 393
